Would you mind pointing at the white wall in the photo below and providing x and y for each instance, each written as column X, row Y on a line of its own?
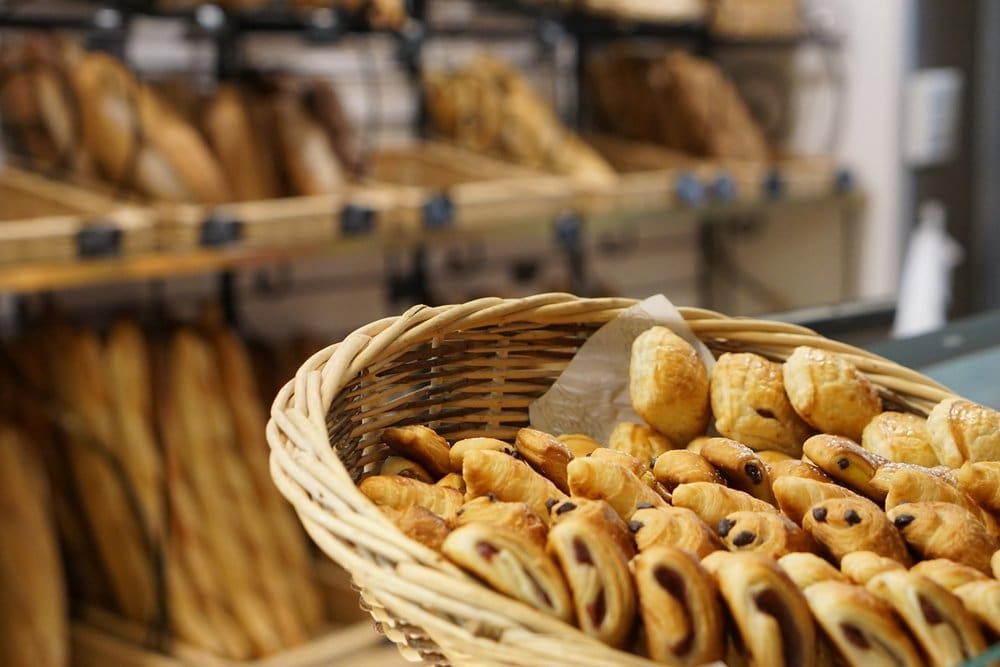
column 875, row 62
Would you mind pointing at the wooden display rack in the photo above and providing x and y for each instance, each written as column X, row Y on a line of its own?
column 42, row 220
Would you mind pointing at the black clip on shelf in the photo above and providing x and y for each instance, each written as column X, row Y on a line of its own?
column 99, row 239
column 357, row 220
column 219, row 230
column 438, row 211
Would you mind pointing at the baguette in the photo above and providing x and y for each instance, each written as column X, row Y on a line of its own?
column 229, row 128
column 304, row 150
column 34, row 630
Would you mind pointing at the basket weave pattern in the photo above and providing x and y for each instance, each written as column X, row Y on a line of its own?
column 470, row 369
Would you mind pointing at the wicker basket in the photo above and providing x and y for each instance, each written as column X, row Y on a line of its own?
column 468, row 369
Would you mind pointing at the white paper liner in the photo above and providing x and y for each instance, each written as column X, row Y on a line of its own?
column 592, row 395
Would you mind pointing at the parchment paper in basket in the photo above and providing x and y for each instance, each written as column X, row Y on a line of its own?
column 591, row 395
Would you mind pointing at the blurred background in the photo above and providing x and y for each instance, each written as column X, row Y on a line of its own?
column 195, row 197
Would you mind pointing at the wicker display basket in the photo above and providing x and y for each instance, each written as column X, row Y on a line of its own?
column 468, row 369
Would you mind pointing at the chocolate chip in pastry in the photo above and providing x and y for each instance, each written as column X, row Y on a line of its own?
column 910, row 484
column 456, row 455
column 713, row 502
column 603, row 480
column 981, row 480
column 452, row 480
column 679, row 605
column 843, row 525
column 740, row 466
column 603, row 519
column 422, row 525
column 943, row 530
column 579, row 444
column 750, row 405
column 398, row 465
column 546, row 454
column 639, row 441
column 514, row 516
column 682, row 466
column 676, row 527
column 796, row 468
column 948, row 634
column 511, row 480
column 829, row 392
column 598, row 577
column 862, row 627
column 847, row 462
column 668, row 384
column 769, row 611
column 806, row 569
column 900, row 437
column 512, row 564
column 420, row 444
column 767, row 533
column 797, row 494
column 861, row 566
column 403, row 492
column 961, row 431
column 982, row 600
column 948, row 573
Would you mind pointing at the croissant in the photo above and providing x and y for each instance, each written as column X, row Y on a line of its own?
column 682, row 466
column 673, row 526
column 961, row 431
column 741, row 467
column 943, row 530
column 713, row 502
column 601, row 480
column 861, row 566
column 766, row 533
column 846, row 462
column 487, row 472
column 546, row 454
column 909, row 484
column 420, row 444
column 806, row 569
column 843, row 525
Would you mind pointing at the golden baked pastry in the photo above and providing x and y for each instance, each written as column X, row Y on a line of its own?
column 843, row 525
column 546, row 454
column 242, row 154
column 487, row 472
column 668, row 384
column 420, row 444
column 713, row 502
column 750, row 405
column 995, row 564
column 961, row 431
column 578, row 443
column 948, row 634
column 682, row 466
column 806, row 569
column 740, row 466
column 512, row 564
column 402, row 492
column 304, row 149
column 982, row 600
column 602, row 480
column 861, row 566
column 901, row 437
column 772, row 456
column 673, row 526
column 404, row 467
column 909, row 484
column 639, row 441
column 829, row 392
column 421, row 524
column 796, row 468
column 766, row 533
column 453, row 480
column 948, row 573
column 847, row 462
column 796, row 495
column 598, row 577
column 679, row 605
column 601, row 517
column 769, row 611
column 456, row 454
column 695, row 444
column 515, row 516
column 634, row 465
column 943, row 530
column 981, row 480
column 33, row 606
column 861, row 626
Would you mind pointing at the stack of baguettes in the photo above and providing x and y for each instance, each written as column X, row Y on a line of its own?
column 489, row 107
column 163, row 448
column 88, row 115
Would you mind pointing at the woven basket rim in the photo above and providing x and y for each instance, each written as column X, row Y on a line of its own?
column 406, row 578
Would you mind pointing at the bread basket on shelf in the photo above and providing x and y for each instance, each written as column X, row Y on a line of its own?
column 470, row 369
